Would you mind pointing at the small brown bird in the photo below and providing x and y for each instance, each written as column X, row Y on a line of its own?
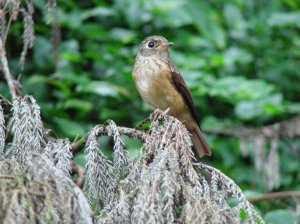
column 161, row 86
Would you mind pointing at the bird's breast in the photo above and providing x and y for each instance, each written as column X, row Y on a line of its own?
column 152, row 79
column 147, row 74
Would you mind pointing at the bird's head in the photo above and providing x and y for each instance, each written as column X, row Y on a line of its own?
column 155, row 46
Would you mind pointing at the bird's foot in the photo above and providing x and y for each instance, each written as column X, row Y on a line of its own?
column 158, row 114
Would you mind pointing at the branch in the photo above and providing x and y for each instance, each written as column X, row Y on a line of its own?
column 273, row 195
column 288, row 128
column 10, row 81
column 7, row 177
column 130, row 132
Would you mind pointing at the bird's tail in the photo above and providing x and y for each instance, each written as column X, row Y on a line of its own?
column 200, row 145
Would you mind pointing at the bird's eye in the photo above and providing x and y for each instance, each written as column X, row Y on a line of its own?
column 151, row 44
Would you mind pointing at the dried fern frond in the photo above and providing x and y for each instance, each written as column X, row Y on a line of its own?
column 120, row 159
column 28, row 33
column 164, row 186
column 102, row 175
column 13, row 6
column 224, row 183
column 35, row 188
column 40, row 193
column 59, row 151
column 22, row 131
column 51, row 8
column 36, row 124
column 9, row 11
column 262, row 143
column 266, row 156
column 99, row 173
column 27, row 128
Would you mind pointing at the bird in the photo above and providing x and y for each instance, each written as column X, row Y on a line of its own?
column 161, row 86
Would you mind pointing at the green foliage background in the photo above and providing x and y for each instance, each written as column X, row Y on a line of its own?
column 240, row 59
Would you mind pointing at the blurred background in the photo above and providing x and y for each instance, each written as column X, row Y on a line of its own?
column 241, row 60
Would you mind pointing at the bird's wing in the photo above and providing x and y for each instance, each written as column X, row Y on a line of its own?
column 178, row 82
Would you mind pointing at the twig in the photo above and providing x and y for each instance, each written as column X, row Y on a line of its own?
column 142, row 123
column 7, row 177
column 77, row 146
column 287, row 128
column 274, row 195
column 8, row 76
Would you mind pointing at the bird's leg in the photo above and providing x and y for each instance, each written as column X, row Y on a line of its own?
column 157, row 114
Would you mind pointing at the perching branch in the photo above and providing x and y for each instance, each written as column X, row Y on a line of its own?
column 274, row 195
column 130, row 132
column 287, row 128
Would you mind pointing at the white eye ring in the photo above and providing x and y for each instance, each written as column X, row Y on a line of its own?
column 151, row 44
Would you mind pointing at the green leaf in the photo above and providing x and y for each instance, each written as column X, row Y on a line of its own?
column 93, row 31
column 243, row 214
column 103, row 88
column 235, row 21
column 250, row 193
column 97, row 12
column 80, row 159
column 272, row 105
column 268, row 106
column 284, row 19
column 72, row 19
column 247, row 110
column 37, row 78
column 170, row 13
column 133, row 145
column 69, row 127
column 74, row 103
column 233, row 16
column 214, row 123
column 235, row 89
column 42, row 52
column 123, row 35
column 232, row 201
column 293, row 108
column 234, row 55
column 70, row 51
column 207, row 21
column 281, row 216
column 134, row 12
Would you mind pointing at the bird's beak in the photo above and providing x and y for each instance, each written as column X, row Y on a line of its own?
column 167, row 45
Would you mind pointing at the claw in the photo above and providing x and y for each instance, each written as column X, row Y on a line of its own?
column 157, row 114
column 166, row 111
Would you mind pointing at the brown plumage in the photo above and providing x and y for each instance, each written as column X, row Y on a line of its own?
column 161, row 86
